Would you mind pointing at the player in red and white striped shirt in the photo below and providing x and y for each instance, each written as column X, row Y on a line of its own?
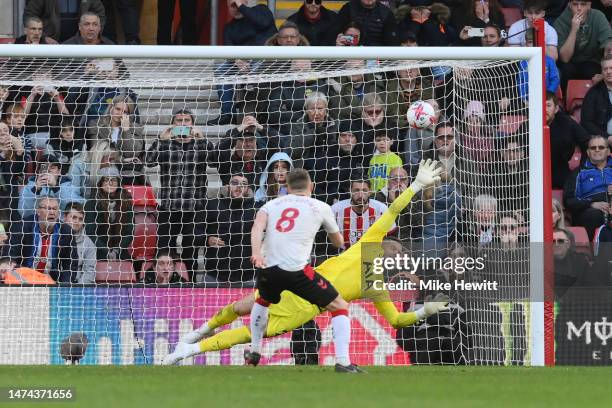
column 355, row 215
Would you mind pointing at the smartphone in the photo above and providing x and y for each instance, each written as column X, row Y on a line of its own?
column 476, row 32
column 181, row 131
column 349, row 39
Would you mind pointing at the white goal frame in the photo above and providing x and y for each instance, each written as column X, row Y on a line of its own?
column 533, row 56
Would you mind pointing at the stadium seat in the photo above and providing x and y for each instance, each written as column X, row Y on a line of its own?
column 179, row 267
column 559, row 93
column 582, row 239
column 511, row 15
column 576, row 90
column 574, row 162
column 510, row 124
column 144, row 245
column 558, row 194
column 115, row 272
column 7, row 40
column 143, row 198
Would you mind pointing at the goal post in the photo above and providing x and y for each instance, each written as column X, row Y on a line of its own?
column 143, row 330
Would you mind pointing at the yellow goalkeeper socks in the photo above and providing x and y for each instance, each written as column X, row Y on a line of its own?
column 224, row 316
column 226, row 339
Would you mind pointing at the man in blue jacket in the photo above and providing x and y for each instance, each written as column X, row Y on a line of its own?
column 42, row 243
column 588, row 189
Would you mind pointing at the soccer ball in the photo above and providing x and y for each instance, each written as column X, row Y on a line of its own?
column 421, row 115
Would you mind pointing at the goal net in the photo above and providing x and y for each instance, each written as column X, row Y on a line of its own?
column 131, row 179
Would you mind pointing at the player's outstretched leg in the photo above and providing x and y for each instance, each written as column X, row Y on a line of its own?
column 181, row 351
column 224, row 316
column 220, row 341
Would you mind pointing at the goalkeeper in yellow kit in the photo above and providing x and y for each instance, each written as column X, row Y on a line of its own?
column 343, row 271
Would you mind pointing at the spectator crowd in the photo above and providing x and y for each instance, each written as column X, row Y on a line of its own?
column 72, row 157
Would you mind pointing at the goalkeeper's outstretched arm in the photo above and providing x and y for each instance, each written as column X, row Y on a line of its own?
column 399, row 319
column 428, row 175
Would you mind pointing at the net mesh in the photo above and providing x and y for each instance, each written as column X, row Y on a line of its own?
column 157, row 174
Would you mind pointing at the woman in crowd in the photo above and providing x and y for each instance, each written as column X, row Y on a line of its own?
column 477, row 14
column 119, row 129
column 350, row 36
column 558, row 215
column 109, row 216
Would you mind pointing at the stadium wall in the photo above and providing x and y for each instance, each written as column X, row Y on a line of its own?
column 139, row 325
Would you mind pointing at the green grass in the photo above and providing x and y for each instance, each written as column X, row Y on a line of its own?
column 276, row 387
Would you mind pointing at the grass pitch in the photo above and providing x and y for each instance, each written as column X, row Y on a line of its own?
column 272, row 387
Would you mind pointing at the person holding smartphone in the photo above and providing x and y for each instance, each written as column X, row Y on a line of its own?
column 478, row 14
column 182, row 127
column 183, row 155
column 48, row 181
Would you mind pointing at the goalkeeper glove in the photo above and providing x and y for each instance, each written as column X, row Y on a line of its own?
column 428, row 175
column 433, row 306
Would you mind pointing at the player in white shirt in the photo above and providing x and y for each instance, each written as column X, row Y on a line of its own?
column 356, row 214
column 282, row 258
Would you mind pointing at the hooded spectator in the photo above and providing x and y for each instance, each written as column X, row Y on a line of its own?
column 273, row 180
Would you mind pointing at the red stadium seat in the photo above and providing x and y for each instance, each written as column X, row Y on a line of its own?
column 574, row 162
column 115, row 272
column 576, row 90
column 582, row 239
column 559, row 93
column 510, row 124
column 511, row 15
column 7, row 40
column 144, row 245
column 179, row 267
column 143, row 198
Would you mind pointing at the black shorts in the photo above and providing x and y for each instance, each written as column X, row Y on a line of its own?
column 307, row 284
